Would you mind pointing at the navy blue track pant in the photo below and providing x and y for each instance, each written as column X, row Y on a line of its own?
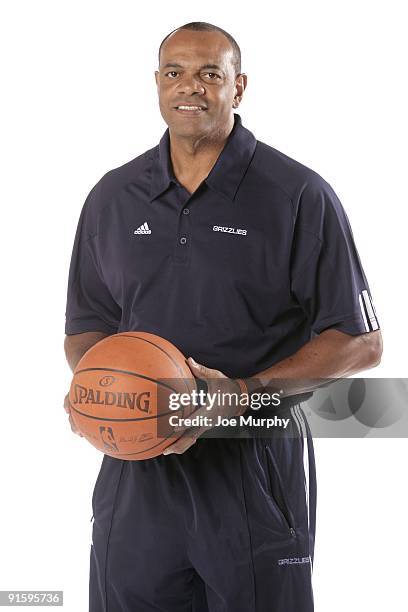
column 228, row 526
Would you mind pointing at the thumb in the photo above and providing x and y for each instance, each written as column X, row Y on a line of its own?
column 197, row 368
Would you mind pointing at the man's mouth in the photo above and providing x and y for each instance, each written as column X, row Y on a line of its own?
column 190, row 108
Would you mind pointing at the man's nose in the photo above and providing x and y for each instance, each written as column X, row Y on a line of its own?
column 190, row 85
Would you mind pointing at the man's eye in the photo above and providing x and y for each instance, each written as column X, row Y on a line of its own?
column 211, row 75
column 172, row 74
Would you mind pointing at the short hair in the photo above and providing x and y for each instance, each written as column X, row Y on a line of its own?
column 202, row 26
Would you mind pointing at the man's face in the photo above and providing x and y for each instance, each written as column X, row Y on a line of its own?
column 196, row 72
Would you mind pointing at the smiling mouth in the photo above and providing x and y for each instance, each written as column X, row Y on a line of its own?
column 190, row 108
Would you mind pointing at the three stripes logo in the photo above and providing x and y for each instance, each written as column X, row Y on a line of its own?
column 143, row 229
column 367, row 311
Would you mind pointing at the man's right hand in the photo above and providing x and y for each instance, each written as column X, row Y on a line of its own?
column 67, row 408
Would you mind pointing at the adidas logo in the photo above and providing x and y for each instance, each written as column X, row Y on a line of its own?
column 143, row 229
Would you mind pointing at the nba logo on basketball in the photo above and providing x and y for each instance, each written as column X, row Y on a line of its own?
column 108, row 438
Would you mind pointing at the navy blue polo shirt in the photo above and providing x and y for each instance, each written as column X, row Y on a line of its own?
column 240, row 274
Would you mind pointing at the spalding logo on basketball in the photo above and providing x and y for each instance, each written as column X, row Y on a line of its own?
column 119, row 394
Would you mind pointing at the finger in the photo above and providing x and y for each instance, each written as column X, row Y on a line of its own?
column 185, row 441
column 71, row 422
column 67, row 405
column 73, row 427
column 180, row 446
column 201, row 371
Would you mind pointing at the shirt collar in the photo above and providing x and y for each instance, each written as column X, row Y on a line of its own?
column 226, row 174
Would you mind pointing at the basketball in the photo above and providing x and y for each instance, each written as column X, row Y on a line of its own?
column 120, row 392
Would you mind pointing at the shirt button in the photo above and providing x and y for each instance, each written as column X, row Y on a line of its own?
column 183, row 240
column 186, row 211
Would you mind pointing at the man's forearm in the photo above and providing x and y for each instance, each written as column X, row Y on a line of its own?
column 76, row 345
column 332, row 354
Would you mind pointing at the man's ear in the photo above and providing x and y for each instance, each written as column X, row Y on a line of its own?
column 240, row 86
column 241, row 83
column 156, row 77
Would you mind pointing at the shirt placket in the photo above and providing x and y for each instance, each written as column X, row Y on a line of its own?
column 182, row 251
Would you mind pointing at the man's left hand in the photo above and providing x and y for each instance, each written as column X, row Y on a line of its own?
column 216, row 381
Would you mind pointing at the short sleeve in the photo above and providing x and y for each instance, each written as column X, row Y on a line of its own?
column 90, row 305
column 327, row 277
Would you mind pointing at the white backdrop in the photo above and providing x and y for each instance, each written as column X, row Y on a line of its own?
column 327, row 86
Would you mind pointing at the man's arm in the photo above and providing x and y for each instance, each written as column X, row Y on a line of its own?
column 331, row 354
column 75, row 346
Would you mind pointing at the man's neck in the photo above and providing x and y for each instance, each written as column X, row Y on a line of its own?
column 193, row 158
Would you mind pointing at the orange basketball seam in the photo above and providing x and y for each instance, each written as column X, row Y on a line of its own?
column 99, row 418
column 125, row 335
column 154, row 380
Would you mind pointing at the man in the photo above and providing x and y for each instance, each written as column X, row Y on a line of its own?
column 244, row 259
